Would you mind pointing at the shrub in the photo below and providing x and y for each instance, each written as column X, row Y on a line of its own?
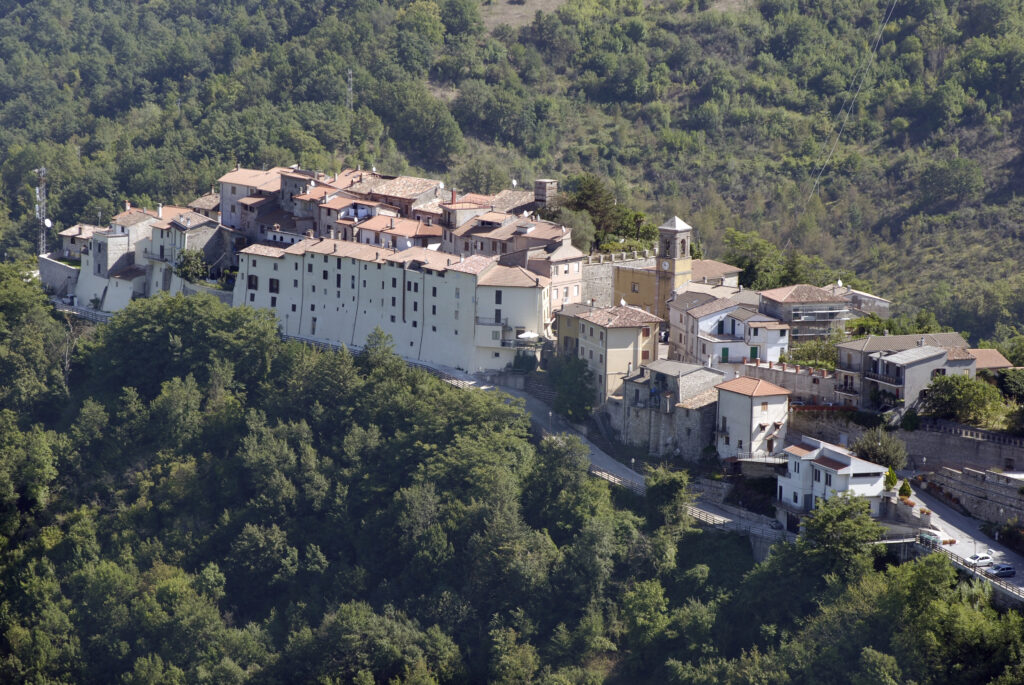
column 905, row 489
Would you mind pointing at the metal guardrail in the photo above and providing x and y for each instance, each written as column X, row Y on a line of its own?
column 93, row 315
column 638, row 488
column 962, row 564
column 742, row 527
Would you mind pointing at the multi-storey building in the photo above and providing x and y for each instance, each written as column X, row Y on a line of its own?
column 817, row 470
column 467, row 313
column 886, row 371
column 612, row 340
column 752, row 417
column 729, row 331
column 810, row 311
column 560, row 262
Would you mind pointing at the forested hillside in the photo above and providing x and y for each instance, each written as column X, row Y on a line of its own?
column 723, row 116
column 198, row 502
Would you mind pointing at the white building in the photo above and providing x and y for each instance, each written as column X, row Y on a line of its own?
column 728, row 331
column 472, row 313
column 820, row 470
column 752, row 417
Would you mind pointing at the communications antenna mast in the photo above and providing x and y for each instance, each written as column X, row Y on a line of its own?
column 44, row 222
column 350, row 89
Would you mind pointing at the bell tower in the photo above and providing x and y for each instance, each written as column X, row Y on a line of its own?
column 674, row 266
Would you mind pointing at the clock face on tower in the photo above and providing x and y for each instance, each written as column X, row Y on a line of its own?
column 664, row 266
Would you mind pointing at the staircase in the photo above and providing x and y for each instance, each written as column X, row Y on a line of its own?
column 538, row 385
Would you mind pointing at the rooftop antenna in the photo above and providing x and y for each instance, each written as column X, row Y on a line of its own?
column 44, row 223
column 349, row 98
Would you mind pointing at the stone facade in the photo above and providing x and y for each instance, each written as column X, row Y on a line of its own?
column 599, row 273
column 60, row 278
column 987, row 495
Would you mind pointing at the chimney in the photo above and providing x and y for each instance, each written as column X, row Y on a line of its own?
column 159, row 210
column 309, row 233
column 392, row 222
column 453, row 195
column 127, row 205
column 332, row 233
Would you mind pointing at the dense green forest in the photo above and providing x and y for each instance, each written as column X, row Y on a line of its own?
column 724, row 113
column 184, row 498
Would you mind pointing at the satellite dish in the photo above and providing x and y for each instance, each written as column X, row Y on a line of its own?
column 441, row 185
column 514, row 183
column 373, row 169
column 47, row 223
column 839, row 282
column 622, row 302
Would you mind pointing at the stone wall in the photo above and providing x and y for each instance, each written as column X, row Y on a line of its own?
column 599, row 273
column 927, row 450
column 986, row 495
column 682, row 433
column 58, row 278
column 814, row 386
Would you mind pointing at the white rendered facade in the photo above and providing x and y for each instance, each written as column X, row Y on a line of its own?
column 819, row 470
column 436, row 308
column 752, row 418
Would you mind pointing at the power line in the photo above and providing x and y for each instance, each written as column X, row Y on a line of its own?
column 858, row 80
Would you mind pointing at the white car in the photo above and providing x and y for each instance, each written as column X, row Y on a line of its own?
column 978, row 560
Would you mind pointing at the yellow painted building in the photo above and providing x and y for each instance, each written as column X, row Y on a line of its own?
column 650, row 288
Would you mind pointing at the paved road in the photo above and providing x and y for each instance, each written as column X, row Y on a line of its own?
column 544, row 418
column 969, row 538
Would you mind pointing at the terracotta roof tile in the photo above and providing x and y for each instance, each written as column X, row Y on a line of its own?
column 990, row 359
column 619, row 317
column 794, row 294
column 752, row 387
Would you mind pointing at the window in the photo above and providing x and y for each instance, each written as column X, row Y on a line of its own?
column 456, row 293
column 456, row 314
column 275, row 285
column 273, row 301
column 739, row 444
column 497, row 316
column 727, row 440
column 433, row 310
column 575, row 290
column 591, row 331
column 312, row 307
column 325, row 274
column 817, row 476
column 600, row 379
column 796, row 467
column 433, row 291
column 392, row 318
column 645, row 355
column 497, row 297
column 795, row 500
column 309, row 268
column 415, row 306
column 337, row 280
column 293, row 308
column 253, row 282
column 635, row 287
column 565, row 292
column 162, row 254
column 312, row 326
column 554, row 293
column 764, row 406
column 275, row 266
column 582, row 328
column 394, row 282
column 392, row 302
column 252, row 297
column 828, row 479
column 600, row 358
column 645, row 331
column 296, row 265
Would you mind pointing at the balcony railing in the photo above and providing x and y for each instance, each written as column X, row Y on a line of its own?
column 847, row 390
column 491, row 321
column 882, row 378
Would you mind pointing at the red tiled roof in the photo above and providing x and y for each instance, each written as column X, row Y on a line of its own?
column 752, row 387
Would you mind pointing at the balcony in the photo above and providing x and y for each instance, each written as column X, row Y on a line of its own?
column 882, row 378
column 848, row 390
column 491, row 321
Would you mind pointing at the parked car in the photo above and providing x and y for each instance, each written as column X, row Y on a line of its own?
column 978, row 560
column 1001, row 571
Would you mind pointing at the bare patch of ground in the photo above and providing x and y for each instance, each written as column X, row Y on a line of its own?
column 500, row 12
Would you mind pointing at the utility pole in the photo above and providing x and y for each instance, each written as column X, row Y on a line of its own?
column 44, row 223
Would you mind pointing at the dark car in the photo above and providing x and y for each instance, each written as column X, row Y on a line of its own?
column 1001, row 571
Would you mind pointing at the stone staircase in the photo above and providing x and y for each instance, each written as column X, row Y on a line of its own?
column 538, row 385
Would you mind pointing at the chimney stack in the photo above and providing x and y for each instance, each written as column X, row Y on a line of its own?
column 159, row 210
column 127, row 205
column 453, row 195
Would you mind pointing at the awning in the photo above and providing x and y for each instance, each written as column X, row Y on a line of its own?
column 527, row 335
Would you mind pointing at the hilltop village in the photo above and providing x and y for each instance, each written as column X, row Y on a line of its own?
column 685, row 362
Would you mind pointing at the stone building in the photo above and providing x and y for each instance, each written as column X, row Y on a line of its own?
column 668, row 408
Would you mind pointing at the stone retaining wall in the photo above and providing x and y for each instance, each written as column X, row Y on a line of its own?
column 987, row 495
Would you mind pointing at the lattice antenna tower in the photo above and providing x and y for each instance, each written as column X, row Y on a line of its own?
column 44, row 222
